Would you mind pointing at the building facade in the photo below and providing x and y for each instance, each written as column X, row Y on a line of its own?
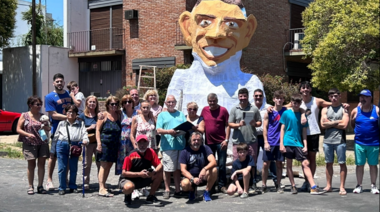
column 111, row 38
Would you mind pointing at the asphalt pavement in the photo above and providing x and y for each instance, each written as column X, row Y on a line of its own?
column 14, row 197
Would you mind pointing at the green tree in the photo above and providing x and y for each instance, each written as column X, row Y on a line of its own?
column 342, row 38
column 49, row 32
column 7, row 20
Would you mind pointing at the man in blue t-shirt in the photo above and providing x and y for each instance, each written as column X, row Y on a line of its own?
column 293, row 143
column 198, row 166
column 241, row 172
column 55, row 102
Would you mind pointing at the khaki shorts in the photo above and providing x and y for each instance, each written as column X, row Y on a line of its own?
column 170, row 160
column 32, row 152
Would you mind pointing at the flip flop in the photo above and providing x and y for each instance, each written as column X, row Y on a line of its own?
column 108, row 194
column 342, row 193
column 30, row 191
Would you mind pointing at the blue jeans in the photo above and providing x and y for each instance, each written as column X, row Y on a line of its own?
column 222, row 157
column 64, row 158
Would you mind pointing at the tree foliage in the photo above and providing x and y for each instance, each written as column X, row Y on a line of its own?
column 49, row 33
column 342, row 37
column 7, row 20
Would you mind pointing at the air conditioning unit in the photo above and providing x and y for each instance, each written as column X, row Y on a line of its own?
column 131, row 14
column 297, row 38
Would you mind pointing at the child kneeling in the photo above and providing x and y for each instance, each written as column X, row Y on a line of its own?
column 241, row 172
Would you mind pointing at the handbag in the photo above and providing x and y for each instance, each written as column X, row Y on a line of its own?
column 92, row 137
column 75, row 150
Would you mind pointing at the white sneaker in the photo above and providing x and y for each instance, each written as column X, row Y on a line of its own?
column 140, row 192
column 282, row 185
column 135, row 194
column 145, row 192
column 358, row 189
column 374, row 190
column 49, row 186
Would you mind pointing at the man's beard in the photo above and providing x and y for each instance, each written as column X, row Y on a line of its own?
column 57, row 89
column 197, row 146
column 142, row 150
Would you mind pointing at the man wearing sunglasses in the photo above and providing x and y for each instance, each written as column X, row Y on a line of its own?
column 258, row 96
column 55, row 102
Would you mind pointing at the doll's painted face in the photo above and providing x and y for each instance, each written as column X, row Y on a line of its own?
column 217, row 30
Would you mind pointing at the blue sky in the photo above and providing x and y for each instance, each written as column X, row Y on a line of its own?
column 55, row 7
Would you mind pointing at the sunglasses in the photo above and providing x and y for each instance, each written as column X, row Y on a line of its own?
column 38, row 105
column 192, row 109
column 125, row 102
column 145, row 108
column 258, row 96
column 114, row 104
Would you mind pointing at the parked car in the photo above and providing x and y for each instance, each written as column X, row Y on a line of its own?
column 8, row 121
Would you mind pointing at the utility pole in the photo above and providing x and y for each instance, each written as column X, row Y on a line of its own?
column 34, row 61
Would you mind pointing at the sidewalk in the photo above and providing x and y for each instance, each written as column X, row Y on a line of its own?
column 13, row 185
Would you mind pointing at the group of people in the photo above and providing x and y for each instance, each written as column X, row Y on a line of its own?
column 132, row 133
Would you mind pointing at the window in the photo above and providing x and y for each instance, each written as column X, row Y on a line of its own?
column 106, row 65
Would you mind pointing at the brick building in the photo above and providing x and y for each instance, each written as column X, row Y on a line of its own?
column 111, row 38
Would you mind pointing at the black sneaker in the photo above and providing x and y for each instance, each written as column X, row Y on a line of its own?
column 128, row 199
column 180, row 194
column 73, row 190
column 61, row 192
column 293, row 190
column 151, row 199
column 264, row 189
column 253, row 189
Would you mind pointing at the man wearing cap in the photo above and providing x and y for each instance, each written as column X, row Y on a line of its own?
column 198, row 166
column 364, row 119
column 138, row 173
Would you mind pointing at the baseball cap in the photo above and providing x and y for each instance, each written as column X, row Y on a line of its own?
column 141, row 137
column 365, row 92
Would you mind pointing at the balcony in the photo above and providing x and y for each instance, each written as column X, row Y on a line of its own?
column 295, row 47
column 180, row 43
column 98, row 42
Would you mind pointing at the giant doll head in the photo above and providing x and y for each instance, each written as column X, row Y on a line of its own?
column 217, row 29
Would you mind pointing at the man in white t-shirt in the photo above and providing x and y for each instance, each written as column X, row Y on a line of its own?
column 77, row 96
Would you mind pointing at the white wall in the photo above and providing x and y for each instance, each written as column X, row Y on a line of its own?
column 76, row 18
column 17, row 74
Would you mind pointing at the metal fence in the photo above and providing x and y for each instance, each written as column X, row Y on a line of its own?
column 96, row 40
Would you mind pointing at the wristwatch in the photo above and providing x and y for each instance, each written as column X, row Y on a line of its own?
column 192, row 180
column 226, row 140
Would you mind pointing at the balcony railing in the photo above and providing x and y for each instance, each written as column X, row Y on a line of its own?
column 295, row 36
column 96, row 40
column 179, row 41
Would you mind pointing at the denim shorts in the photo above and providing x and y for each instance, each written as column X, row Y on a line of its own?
column 330, row 149
column 362, row 153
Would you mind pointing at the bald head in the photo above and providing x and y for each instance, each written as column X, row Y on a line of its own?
column 170, row 98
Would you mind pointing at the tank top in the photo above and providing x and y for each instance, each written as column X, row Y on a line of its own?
column 313, row 118
column 334, row 135
column 274, row 127
column 31, row 126
column 147, row 128
column 367, row 127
